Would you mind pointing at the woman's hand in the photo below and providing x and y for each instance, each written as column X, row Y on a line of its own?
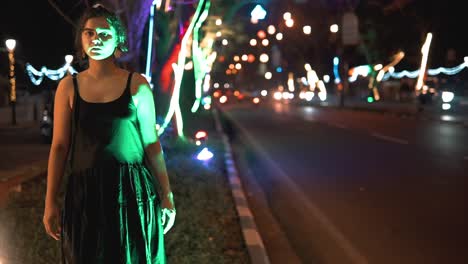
column 51, row 219
column 168, row 212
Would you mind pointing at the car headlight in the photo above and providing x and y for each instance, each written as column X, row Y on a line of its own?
column 447, row 97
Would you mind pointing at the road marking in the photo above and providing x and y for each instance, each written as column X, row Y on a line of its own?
column 391, row 139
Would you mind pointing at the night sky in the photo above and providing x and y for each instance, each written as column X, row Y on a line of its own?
column 43, row 36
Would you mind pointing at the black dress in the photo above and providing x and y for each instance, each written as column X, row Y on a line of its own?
column 111, row 210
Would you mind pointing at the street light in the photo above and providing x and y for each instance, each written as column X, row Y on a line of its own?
column 11, row 44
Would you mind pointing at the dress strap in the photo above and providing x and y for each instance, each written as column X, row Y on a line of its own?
column 129, row 81
column 76, row 96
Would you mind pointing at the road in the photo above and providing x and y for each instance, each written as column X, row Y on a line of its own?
column 358, row 187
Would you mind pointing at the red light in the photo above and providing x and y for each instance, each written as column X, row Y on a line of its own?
column 261, row 34
column 200, row 134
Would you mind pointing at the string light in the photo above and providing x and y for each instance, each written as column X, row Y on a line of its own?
column 364, row 70
column 37, row 76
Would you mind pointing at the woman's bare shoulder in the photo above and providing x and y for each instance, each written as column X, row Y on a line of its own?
column 65, row 86
column 65, row 90
column 138, row 82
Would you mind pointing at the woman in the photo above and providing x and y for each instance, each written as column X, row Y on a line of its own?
column 114, row 210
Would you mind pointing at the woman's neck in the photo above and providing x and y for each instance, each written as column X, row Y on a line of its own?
column 102, row 68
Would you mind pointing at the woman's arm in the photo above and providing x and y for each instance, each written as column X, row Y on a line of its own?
column 57, row 157
column 143, row 98
column 60, row 140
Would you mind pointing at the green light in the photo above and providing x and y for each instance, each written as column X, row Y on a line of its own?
column 199, row 62
column 370, row 99
column 174, row 107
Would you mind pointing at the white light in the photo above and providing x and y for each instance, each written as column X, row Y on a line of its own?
column 264, row 58
column 287, row 16
column 205, row 154
column 218, row 34
column 334, row 28
column 219, row 22
column 326, row 78
column 307, row 30
column 69, row 58
column 277, row 95
column 238, row 66
column 307, row 67
column 289, row 23
column 223, row 99
column 245, row 57
column 378, row 67
column 264, row 92
column 447, row 97
column 253, row 42
column 258, row 12
column 279, row 36
column 226, row 85
column 271, row 29
column 268, row 75
column 323, row 91
column 265, row 42
column 446, row 106
column 225, row 42
column 10, row 44
column 216, row 85
column 309, row 95
column 425, row 54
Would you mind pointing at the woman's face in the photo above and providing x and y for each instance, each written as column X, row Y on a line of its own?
column 98, row 38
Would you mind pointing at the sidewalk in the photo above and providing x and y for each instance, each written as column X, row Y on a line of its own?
column 24, row 155
column 28, row 109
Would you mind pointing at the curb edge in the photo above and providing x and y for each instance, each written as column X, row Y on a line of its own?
column 252, row 238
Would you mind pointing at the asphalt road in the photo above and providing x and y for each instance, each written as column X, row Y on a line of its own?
column 358, row 187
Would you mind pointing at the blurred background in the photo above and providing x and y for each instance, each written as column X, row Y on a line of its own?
column 349, row 115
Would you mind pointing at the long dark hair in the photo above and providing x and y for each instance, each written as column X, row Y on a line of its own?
column 98, row 10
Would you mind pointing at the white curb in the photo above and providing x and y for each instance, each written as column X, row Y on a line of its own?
column 253, row 241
